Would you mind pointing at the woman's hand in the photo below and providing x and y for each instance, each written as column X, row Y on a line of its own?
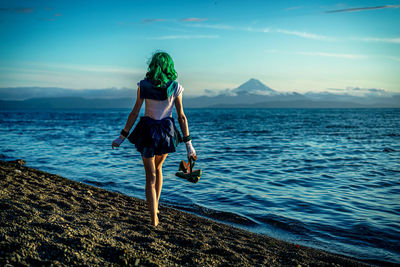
column 117, row 142
column 190, row 150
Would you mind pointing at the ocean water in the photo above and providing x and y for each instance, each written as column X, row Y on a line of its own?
column 326, row 178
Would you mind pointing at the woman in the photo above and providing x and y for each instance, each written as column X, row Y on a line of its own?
column 156, row 135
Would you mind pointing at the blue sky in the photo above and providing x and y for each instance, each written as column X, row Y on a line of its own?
column 288, row 45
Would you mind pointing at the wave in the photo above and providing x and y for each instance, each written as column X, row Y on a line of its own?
column 222, row 216
column 99, row 184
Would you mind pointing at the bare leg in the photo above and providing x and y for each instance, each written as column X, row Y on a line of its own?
column 151, row 195
column 159, row 160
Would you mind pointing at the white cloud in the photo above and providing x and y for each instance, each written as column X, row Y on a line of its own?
column 381, row 40
column 170, row 37
column 84, row 68
column 293, row 7
column 393, row 58
column 229, row 27
column 251, row 29
column 262, row 30
column 303, row 34
column 69, row 76
column 193, row 19
column 359, row 91
column 154, row 20
column 211, row 26
column 324, row 54
column 357, row 9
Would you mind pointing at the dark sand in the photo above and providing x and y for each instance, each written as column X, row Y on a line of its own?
column 47, row 219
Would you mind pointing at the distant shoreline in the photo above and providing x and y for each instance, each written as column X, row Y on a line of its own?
column 251, row 94
column 99, row 107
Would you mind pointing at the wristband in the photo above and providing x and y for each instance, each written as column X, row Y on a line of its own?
column 187, row 138
column 124, row 133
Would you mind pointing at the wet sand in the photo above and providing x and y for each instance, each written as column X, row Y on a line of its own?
column 47, row 219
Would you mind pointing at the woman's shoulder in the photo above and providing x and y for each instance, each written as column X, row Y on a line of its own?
column 144, row 82
column 178, row 89
column 148, row 90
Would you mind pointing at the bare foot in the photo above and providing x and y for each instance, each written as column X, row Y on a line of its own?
column 155, row 222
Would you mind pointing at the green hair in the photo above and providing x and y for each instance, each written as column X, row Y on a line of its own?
column 161, row 69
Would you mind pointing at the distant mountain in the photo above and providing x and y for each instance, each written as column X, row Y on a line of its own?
column 254, row 87
column 251, row 94
column 22, row 93
column 254, row 94
column 67, row 103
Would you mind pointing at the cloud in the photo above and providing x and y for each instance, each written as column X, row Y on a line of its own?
column 164, row 20
column 22, row 10
column 251, row 29
column 218, row 92
column 51, row 19
column 72, row 76
column 393, row 58
column 304, row 34
column 99, row 69
column 25, row 10
column 359, row 91
column 170, row 37
column 381, row 40
column 211, row 26
column 348, row 56
column 81, row 68
column 153, row 20
column 228, row 27
column 293, row 7
column 48, row 19
column 356, row 9
column 263, row 30
column 324, row 54
column 193, row 19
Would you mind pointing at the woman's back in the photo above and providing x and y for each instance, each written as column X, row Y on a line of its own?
column 160, row 109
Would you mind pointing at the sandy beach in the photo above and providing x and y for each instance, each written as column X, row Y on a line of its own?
column 47, row 219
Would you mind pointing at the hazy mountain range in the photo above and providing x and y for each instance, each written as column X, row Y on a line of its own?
column 251, row 94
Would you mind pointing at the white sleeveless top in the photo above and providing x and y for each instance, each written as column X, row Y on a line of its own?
column 160, row 109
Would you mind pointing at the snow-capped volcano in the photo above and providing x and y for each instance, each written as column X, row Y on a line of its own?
column 253, row 86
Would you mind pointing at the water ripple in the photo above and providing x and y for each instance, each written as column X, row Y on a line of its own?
column 328, row 178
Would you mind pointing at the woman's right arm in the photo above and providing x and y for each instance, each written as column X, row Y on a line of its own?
column 181, row 116
column 184, row 127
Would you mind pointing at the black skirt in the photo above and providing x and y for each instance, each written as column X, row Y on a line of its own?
column 155, row 137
